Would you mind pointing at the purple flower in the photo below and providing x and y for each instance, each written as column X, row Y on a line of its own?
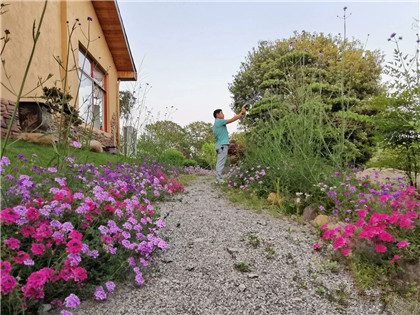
column 100, row 293
column 320, row 55
column 72, row 301
column 131, row 261
column 67, row 226
column 110, row 286
column 393, row 35
column 162, row 244
column 89, row 18
column 77, row 144
column 139, row 279
column 160, row 224
column 29, row 262
column 345, row 8
column 64, row 312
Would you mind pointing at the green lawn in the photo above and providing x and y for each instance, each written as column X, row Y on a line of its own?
column 47, row 156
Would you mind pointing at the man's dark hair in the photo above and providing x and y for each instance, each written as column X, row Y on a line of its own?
column 216, row 112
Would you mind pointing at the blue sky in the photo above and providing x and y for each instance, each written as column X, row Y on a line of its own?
column 189, row 51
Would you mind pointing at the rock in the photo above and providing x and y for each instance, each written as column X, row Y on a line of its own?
column 167, row 260
column 297, row 299
column 95, row 146
column 309, row 213
column 321, row 219
column 232, row 250
column 242, row 287
column 190, row 267
column 274, row 198
column 252, row 275
column 44, row 309
column 38, row 138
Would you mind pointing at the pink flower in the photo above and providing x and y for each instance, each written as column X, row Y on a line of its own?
column 402, row 244
column 75, row 234
column 384, row 198
column 13, row 243
column 32, row 213
column 381, row 248
column 27, row 230
column 324, row 227
column 5, row 267
column 21, row 257
column 74, row 246
column 362, row 213
column 345, row 251
column 316, row 246
column 361, row 222
column 385, row 236
column 8, row 283
column 37, row 249
column 8, row 215
column 79, row 274
column 396, row 257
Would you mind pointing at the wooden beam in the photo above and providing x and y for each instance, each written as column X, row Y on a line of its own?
column 127, row 75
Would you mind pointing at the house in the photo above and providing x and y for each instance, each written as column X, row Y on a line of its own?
column 98, row 55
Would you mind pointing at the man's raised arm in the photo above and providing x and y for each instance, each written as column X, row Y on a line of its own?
column 235, row 118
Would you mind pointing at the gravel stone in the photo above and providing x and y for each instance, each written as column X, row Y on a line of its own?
column 207, row 235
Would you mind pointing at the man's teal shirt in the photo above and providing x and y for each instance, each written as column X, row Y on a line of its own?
column 220, row 132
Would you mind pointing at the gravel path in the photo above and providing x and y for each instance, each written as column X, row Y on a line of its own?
column 207, row 235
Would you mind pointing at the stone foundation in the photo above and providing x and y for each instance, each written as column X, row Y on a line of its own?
column 77, row 133
column 7, row 108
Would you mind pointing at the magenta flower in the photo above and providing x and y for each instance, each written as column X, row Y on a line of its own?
column 381, row 248
column 8, row 283
column 316, row 246
column 13, row 243
column 402, row 244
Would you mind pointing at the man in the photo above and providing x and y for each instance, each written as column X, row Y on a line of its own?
column 222, row 139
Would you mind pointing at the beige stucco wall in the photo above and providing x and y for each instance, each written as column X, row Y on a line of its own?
column 53, row 42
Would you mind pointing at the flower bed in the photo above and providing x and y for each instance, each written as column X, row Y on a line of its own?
column 72, row 232
column 381, row 216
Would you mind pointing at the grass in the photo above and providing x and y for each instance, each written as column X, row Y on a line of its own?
column 252, row 201
column 185, row 179
column 242, row 266
column 45, row 154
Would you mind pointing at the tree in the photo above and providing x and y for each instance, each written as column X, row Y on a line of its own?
column 198, row 133
column 127, row 101
column 281, row 75
column 164, row 135
column 399, row 120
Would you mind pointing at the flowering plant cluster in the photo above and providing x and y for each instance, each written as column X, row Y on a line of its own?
column 62, row 235
column 246, row 179
column 383, row 217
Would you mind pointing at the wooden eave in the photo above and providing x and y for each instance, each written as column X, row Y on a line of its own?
column 112, row 26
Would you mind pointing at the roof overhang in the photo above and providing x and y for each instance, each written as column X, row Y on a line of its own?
column 112, row 26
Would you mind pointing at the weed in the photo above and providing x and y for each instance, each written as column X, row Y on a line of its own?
column 254, row 240
column 269, row 253
column 242, row 266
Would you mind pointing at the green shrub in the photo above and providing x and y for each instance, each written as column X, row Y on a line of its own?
column 190, row 162
column 173, row 157
column 209, row 154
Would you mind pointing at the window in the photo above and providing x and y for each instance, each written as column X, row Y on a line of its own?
column 92, row 93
